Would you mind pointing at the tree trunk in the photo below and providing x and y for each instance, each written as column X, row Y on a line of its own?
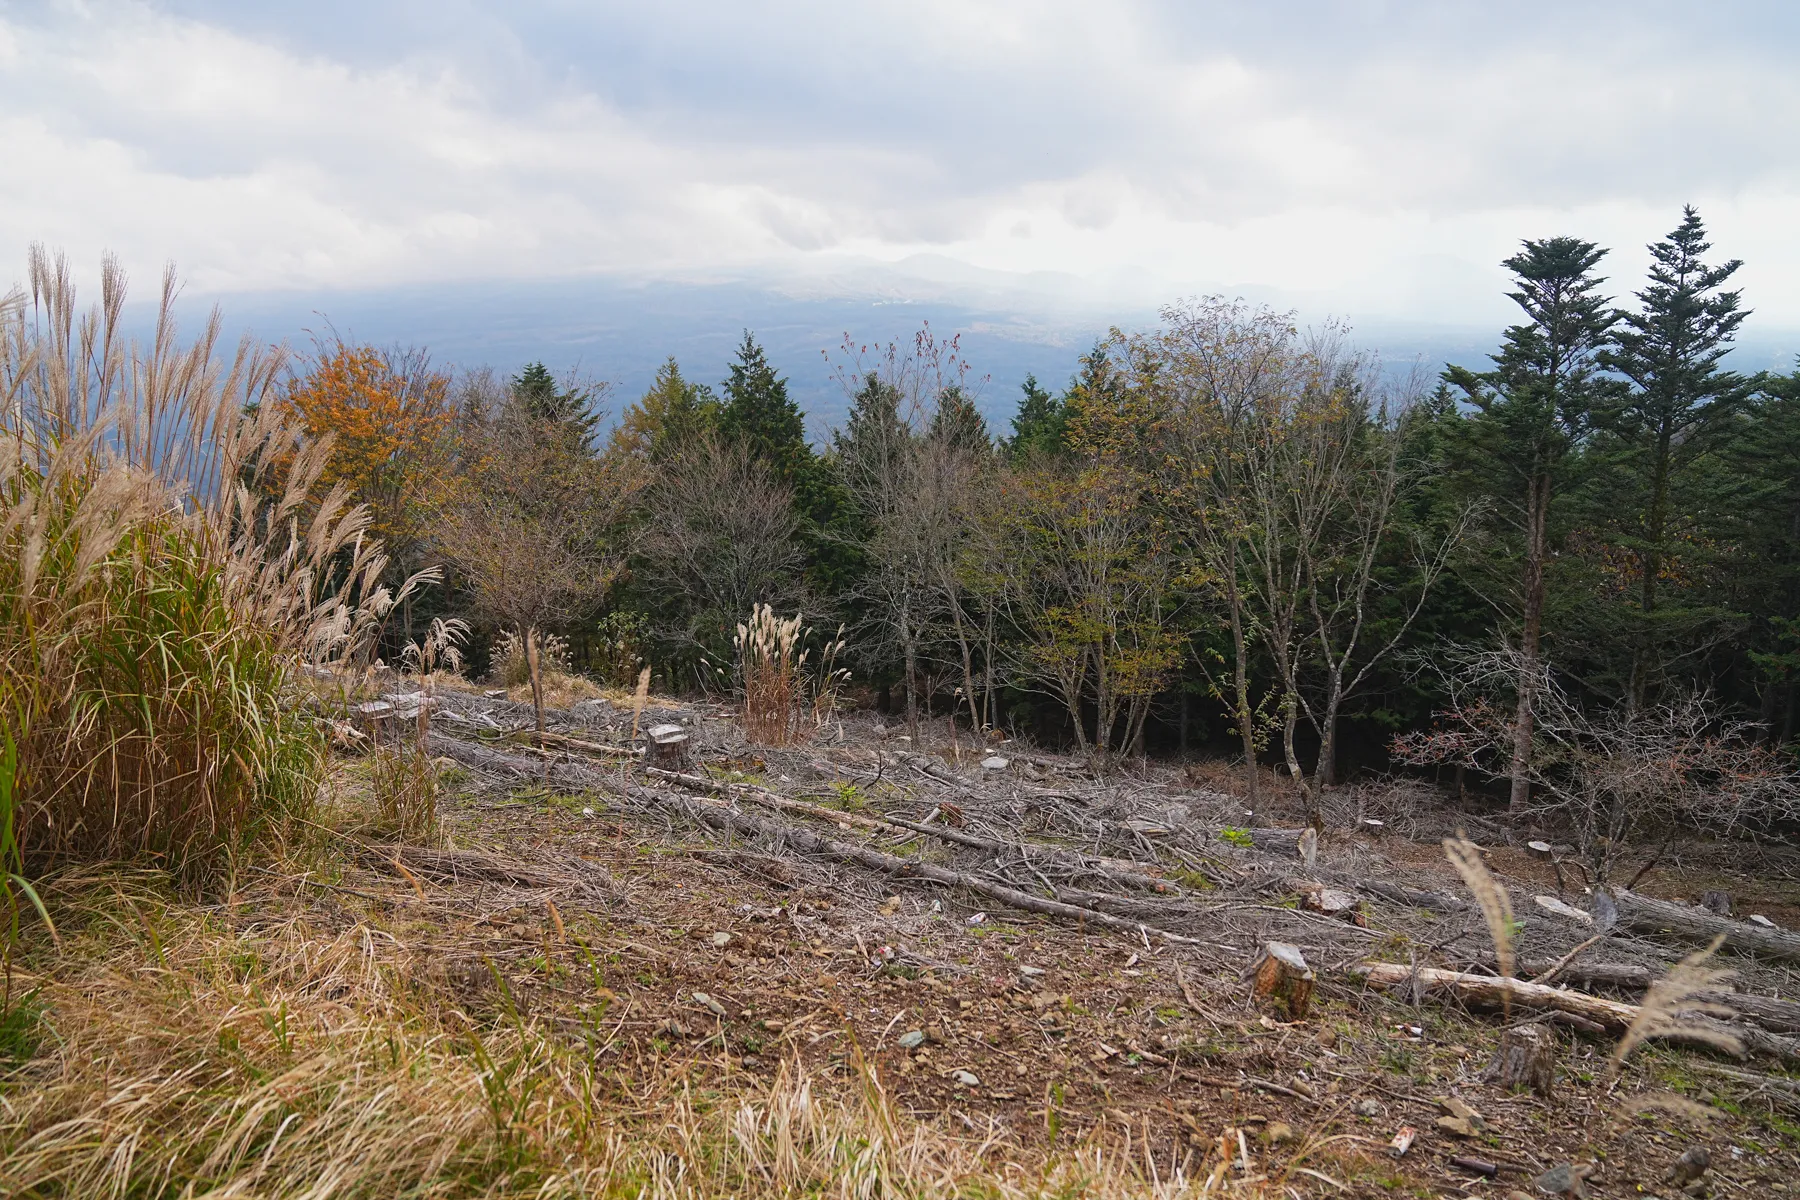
column 1290, row 710
column 1536, row 538
column 1246, row 719
column 1326, row 773
column 911, row 651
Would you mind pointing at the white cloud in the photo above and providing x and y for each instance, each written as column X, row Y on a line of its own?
column 1383, row 160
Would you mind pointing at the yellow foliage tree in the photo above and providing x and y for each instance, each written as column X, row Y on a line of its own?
column 391, row 423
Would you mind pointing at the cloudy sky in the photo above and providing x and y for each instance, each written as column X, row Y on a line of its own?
column 1370, row 158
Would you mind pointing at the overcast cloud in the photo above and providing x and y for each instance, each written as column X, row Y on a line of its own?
column 1378, row 158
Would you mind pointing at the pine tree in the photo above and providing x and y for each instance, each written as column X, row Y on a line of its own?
column 1534, row 411
column 1670, row 352
column 759, row 415
column 957, row 422
column 1038, row 424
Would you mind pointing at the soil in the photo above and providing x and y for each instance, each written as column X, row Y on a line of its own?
column 734, row 956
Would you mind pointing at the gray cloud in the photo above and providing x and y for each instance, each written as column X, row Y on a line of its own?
column 1357, row 153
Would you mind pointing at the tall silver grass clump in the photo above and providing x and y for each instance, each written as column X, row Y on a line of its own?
column 164, row 568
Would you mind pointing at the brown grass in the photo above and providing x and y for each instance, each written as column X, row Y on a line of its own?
column 257, row 1050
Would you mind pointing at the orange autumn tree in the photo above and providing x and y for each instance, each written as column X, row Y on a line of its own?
column 391, row 422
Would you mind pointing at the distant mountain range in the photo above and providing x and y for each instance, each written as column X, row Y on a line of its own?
column 622, row 330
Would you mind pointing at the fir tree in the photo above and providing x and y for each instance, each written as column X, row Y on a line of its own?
column 959, row 423
column 1533, row 412
column 539, row 398
column 759, row 415
column 1670, row 351
column 1038, row 424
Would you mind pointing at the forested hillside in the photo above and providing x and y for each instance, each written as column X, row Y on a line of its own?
column 1225, row 534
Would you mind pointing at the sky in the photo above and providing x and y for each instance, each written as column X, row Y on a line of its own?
column 1050, row 164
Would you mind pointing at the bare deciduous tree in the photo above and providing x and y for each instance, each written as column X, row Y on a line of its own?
column 720, row 533
column 1611, row 776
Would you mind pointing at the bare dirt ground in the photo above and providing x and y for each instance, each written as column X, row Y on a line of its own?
column 720, row 942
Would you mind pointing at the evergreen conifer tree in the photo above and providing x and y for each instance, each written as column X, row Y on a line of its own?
column 1533, row 412
column 959, row 423
column 759, row 415
column 1038, row 424
column 1670, row 351
column 539, row 397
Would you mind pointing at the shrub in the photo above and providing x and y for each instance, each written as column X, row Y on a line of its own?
column 161, row 575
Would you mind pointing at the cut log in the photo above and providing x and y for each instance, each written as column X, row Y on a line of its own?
column 1526, row 1060
column 1566, row 911
column 1493, row 991
column 564, row 742
column 1691, row 923
column 1309, row 848
column 1280, row 973
column 1542, row 851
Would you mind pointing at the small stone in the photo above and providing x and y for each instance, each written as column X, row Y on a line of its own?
column 721, row 939
column 751, row 1062
column 707, row 1002
column 912, row 1039
column 1457, row 1126
column 1280, row 1133
column 1369, row 1107
column 587, row 812
column 1690, row 1166
column 1759, row 919
column 966, row 1078
column 1029, row 972
column 994, row 763
column 1561, row 1180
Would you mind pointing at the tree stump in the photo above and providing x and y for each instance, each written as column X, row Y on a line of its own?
column 1280, row 973
column 1333, row 902
column 1526, row 1059
column 668, row 747
column 1717, row 902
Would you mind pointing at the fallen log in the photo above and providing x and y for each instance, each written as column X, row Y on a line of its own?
column 1691, row 923
column 1492, row 991
column 724, row 816
column 1412, row 897
column 564, row 742
column 1115, row 870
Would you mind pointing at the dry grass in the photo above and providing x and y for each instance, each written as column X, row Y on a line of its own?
column 161, row 573
column 783, row 702
column 257, row 1050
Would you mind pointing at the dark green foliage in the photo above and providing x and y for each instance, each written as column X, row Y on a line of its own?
column 537, row 393
column 1651, row 462
column 957, row 422
column 1536, row 406
column 1038, row 425
column 759, row 415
